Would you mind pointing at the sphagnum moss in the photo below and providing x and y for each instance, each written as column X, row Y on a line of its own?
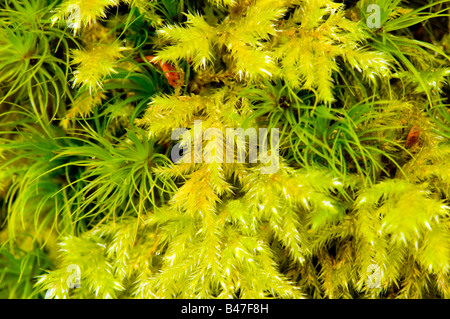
column 95, row 205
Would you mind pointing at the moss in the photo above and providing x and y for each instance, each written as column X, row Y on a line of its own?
column 117, row 174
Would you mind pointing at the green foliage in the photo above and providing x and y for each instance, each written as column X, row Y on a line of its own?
column 96, row 206
column 33, row 67
column 19, row 269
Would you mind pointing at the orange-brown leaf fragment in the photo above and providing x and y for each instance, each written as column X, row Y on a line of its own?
column 413, row 137
column 170, row 72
